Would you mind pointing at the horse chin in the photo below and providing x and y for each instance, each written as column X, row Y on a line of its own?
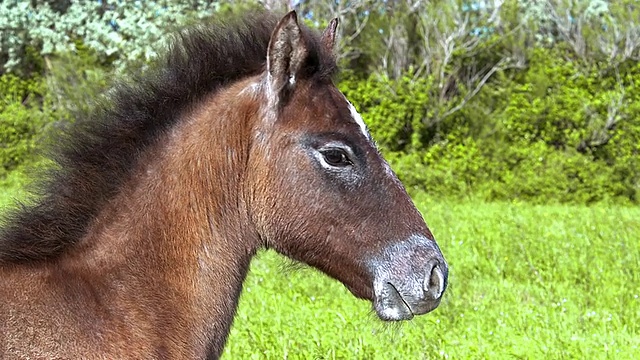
column 390, row 306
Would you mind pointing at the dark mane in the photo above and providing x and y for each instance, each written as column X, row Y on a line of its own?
column 98, row 152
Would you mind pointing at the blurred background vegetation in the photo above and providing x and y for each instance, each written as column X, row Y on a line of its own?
column 532, row 100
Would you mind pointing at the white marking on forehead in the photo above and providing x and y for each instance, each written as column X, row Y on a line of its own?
column 363, row 127
column 358, row 119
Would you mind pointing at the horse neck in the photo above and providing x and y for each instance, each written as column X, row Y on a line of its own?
column 178, row 240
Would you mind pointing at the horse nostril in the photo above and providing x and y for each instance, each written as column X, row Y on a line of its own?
column 434, row 283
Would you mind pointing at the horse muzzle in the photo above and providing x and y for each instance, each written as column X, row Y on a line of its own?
column 410, row 279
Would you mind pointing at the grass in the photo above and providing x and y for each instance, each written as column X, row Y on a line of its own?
column 526, row 282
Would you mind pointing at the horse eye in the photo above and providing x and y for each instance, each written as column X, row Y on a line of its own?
column 335, row 157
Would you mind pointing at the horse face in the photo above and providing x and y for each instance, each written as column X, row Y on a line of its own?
column 322, row 194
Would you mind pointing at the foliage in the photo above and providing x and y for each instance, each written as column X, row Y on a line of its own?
column 21, row 120
column 18, row 128
column 30, row 107
column 395, row 110
column 120, row 32
column 75, row 81
column 554, row 131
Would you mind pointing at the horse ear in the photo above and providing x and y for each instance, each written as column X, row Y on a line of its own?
column 329, row 35
column 286, row 53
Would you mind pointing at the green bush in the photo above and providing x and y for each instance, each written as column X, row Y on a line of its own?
column 583, row 123
column 121, row 32
column 19, row 128
column 394, row 109
column 72, row 83
column 21, row 120
column 558, row 130
column 553, row 132
column 543, row 174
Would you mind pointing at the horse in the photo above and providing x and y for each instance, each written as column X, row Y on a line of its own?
column 141, row 235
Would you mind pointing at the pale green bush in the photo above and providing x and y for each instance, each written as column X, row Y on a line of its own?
column 118, row 31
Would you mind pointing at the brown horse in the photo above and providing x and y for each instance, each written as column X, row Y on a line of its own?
column 139, row 245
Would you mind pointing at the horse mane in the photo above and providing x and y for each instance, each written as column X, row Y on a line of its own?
column 100, row 150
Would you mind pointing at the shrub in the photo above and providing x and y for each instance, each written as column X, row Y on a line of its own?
column 121, row 32
column 18, row 127
column 26, row 110
column 553, row 132
column 394, row 109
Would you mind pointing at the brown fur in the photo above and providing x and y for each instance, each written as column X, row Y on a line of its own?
column 143, row 238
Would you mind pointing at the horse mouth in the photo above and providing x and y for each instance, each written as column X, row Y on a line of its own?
column 408, row 280
column 396, row 301
column 390, row 305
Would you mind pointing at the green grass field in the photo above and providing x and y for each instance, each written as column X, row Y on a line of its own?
column 526, row 282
